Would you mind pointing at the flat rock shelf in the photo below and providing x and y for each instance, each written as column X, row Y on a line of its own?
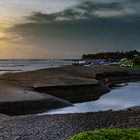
column 18, row 101
column 76, row 93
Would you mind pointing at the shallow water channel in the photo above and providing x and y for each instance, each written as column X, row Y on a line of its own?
column 120, row 97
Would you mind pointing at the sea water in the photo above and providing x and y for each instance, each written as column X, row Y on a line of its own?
column 7, row 66
column 118, row 98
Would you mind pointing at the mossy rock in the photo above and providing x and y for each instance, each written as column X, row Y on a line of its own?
column 109, row 134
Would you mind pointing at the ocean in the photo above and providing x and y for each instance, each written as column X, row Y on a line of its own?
column 10, row 66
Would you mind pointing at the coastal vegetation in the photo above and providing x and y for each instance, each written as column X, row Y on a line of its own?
column 127, row 63
column 111, row 55
column 137, row 60
column 109, row 134
column 122, row 59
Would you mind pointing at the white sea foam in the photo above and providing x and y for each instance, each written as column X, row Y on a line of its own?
column 28, row 65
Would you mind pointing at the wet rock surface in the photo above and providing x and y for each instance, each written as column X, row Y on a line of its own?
column 60, row 127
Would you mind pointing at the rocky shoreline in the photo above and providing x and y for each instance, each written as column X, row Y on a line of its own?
column 61, row 127
column 70, row 83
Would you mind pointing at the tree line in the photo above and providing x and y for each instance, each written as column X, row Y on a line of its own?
column 111, row 55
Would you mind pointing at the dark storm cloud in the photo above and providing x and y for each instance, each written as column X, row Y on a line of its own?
column 81, row 11
column 91, row 26
column 90, row 9
column 88, row 16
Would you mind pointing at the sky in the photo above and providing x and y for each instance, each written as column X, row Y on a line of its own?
column 67, row 28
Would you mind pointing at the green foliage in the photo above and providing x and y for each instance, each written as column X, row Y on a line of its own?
column 112, row 55
column 109, row 134
column 137, row 60
column 127, row 63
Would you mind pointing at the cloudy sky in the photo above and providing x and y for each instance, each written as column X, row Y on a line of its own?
column 67, row 28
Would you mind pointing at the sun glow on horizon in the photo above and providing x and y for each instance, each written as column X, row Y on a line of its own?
column 2, row 34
